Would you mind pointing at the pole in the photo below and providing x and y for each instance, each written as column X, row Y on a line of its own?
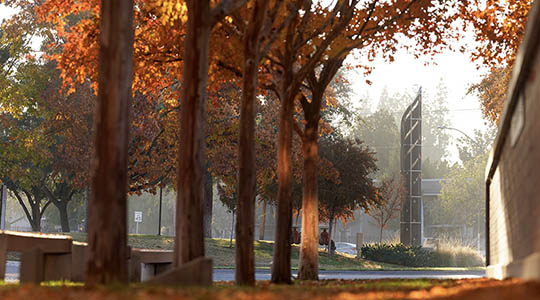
column 160, row 205
column 3, row 199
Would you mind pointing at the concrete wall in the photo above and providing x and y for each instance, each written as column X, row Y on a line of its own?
column 513, row 175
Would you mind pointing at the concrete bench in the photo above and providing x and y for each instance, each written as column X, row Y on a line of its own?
column 147, row 263
column 44, row 256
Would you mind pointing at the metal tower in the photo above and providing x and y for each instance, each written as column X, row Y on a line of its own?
column 411, row 170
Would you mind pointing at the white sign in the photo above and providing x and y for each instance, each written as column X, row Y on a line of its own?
column 138, row 216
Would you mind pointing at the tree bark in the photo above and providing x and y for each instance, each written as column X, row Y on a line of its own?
column 64, row 220
column 36, row 216
column 208, row 202
column 309, row 255
column 263, row 220
column 189, row 240
column 107, row 230
column 330, row 228
column 281, row 266
column 245, row 223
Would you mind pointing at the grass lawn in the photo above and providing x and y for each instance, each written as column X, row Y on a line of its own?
column 309, row 290
column 224, row 257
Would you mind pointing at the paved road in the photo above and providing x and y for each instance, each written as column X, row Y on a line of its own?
column 12, row 274
column 261, row 274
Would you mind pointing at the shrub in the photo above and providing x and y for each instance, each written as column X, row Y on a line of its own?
column 417, row 256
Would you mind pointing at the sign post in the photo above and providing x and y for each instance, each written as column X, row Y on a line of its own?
column 3, row 199
column 138, row 219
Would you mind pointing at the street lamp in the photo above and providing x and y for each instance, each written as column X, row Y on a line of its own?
column 466, row 135
column 478, row 213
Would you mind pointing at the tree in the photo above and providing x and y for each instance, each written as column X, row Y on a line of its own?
column 189, row 241
column 380, row 133
column 107, row 228
column 256, row 39
column 499, row 28
column 391, row 193
column 492, row 92
column 462, row 198
column 471, row 147
column 353, row 188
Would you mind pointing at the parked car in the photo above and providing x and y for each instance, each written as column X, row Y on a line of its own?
column 348, row 248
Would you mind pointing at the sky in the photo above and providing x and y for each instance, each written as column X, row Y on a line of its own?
column 454, row 68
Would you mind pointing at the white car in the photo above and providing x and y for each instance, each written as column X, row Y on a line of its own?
column 348, row 248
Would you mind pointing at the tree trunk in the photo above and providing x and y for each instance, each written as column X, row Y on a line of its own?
column 281, row 266
column 263, row 220
column 189, row 240
column 380, row 234
column 232, row 230
column 245, row 223
column 64, row 220
column 208, row 202
column 36, row 216
column 309, row 255
column 107, row 230
column 330, row 235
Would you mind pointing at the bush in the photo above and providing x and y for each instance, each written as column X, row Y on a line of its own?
column 417, row 256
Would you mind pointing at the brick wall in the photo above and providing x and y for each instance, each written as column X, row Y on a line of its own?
column 514, row 191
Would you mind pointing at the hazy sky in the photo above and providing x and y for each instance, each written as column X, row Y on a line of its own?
column 454, row 68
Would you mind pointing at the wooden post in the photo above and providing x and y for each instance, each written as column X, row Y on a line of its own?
column 107, row 228
column 359, row 243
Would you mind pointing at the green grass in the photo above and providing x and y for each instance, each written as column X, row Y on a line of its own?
column 224, row 257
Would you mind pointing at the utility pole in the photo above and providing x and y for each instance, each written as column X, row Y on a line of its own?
column 160, row 203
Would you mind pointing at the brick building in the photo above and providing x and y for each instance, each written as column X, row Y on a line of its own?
column 513, row 171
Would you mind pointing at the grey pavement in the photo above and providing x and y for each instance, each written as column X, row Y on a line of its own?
column 12, row 274
column 264, row 274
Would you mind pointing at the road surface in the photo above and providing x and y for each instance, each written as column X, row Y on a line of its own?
column 12, row 274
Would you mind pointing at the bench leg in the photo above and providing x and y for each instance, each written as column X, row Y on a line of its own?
column 57, row 267
column 32, row 267
column 3, row 256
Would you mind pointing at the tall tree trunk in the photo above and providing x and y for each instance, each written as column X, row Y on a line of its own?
column 281, row 266
column 64, row 220
column 263, row 220
column 189, row 240
column 107, row 230
column 330, row 235
column 309, row 255
column 245, row 223
column 380, row 234
column 208, row 202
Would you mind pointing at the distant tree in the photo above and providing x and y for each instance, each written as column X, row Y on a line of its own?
column 229, row 198
column 391, row 193
column 354, row 188
column 435, row 111
column 477, row 145
column 462, row 199
column 380, row 133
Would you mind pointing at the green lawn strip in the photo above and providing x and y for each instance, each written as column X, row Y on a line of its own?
column 224, row 257
column 329, row 287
